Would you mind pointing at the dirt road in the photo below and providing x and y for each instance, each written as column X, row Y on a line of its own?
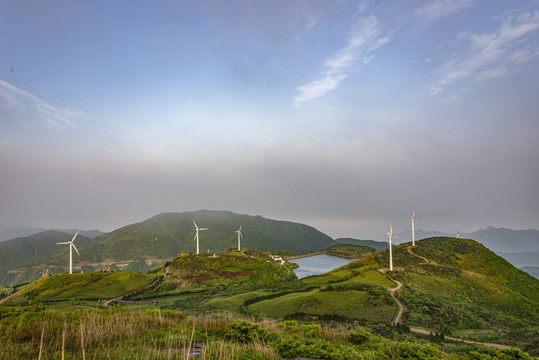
column 401, row 308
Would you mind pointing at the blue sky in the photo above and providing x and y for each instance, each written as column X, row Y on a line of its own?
column 342, row 115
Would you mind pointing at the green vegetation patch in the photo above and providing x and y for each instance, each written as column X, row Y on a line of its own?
column 82, row 286
column 347, row 303
column 349, row 251
column 231, row 268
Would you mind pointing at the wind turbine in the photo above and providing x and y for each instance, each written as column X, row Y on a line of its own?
column 71, row 247
column 458, row 234
column 412, row 220
column 239, row 236
column 196, row 235
column 390, row 234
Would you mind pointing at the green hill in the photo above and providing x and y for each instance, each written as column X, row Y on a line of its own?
column 349, row 251
column 81, row 286
column 378, row 245
column 456, row 286
column 17, row 256
column 228, row 272
column 145, row 245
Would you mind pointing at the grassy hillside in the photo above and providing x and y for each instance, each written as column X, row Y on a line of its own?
column 349, row 251
column 17, row 256
column 465, row 287
column 81, row 286
column 378, row 245
column 169, row 234
column 456, row 286
column 144, row 245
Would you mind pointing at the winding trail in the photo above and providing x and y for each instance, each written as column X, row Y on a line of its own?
column 426, row 261
column 430, row 331
column 401, row 307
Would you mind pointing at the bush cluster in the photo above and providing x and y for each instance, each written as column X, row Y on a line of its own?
column 244, row 331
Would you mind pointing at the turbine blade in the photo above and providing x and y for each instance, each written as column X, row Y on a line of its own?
column 240, row 228
column 75, row 236
column 195, row 224
column 394, row 236
column 195, row 238
column 63, row 243
column 203, row 229
column 74, row 247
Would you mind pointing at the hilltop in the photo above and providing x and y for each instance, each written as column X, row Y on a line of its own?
column 456, row 286
column 230, row 270
column 150, row 243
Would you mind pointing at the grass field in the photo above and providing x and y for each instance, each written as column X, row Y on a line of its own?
column 351, row 304
column 233, row 303
column 81, row 286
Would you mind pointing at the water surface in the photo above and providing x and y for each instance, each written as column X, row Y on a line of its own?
column 318, row 264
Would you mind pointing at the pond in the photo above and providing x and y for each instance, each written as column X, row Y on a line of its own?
column 318, row 264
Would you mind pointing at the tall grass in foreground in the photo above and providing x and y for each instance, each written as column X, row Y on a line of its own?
column 34, row 333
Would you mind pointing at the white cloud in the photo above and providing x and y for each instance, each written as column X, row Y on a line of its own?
column 13, row 98
column 366, row 37
column 440, row 9
column 496, row 54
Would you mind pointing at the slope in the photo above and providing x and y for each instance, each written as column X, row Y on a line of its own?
column 452, row 285
column 81, row 286
column 164, row 236
column 20, row 251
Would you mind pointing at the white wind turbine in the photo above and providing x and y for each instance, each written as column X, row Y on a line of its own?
column 458, row 234
column 412, row 220
column 239, row 236
column 196, row 235
column 71, row 247
column 390, row 234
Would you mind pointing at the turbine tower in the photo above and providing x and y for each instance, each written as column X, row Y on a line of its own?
column 458, row 234
column 412, row 220
column 71, row 247
column 196, row 235
column 390, row 234
column 239, row 236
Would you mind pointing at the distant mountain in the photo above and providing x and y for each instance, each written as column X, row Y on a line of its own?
column 507, row 240
column 144, row 245
column 378, row 245
column 16, row 231
column 521, row 259
column 532, row 270
column 88, row 233
column 19, row 251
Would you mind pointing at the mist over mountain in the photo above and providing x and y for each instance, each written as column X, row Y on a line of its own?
column 13, row 231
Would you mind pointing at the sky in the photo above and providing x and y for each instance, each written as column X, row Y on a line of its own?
column 343, row 115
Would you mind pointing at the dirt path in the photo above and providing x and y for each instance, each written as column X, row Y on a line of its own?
column 428, row 332
column 401, row 308
column 426, row 261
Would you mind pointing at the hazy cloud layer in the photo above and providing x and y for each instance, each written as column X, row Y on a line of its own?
column 342, row 116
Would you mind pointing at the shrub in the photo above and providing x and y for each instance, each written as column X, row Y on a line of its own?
column 359, row 336
column 413, row 351
column 244, row 331
column 484, row 353
column 306, row 330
